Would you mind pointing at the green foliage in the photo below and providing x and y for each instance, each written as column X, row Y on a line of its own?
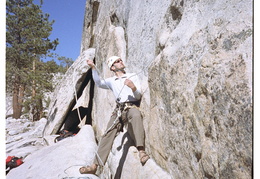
column 27, row 32
column 27, row 41
column 65, row 63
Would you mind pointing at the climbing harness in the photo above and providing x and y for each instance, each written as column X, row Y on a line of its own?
column 120, row 108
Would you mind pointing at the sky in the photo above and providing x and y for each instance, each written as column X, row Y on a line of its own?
column 68, row 25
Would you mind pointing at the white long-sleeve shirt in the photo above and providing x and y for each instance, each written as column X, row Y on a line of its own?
column 121, row 91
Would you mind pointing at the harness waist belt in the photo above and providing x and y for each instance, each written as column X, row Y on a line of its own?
column 132, row 103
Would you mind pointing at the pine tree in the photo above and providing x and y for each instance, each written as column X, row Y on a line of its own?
column 27, row 40
column 65, row 63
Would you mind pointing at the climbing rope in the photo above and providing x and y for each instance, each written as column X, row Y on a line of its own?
column 76, row 97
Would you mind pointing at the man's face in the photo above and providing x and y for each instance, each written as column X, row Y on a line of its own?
column 118, row 64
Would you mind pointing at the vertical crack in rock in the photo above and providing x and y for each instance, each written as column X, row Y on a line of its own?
column 95, row 11
column 83, row 111
column 90, row 103
column 94, row 20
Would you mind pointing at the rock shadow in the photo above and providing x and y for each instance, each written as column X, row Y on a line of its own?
column 125, row 147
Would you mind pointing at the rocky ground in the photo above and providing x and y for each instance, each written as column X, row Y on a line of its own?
column 23, row 137
column 42, row 157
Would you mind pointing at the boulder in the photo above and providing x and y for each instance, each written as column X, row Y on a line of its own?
column 66, row 94
column 60, row 160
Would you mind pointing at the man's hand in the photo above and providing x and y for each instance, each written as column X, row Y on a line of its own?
column 130, row 84
column 91, row 63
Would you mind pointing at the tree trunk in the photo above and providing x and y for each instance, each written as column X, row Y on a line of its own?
column 34, row 101
column 17, row 98
column 16, row 106
column 33, row 82
column 21, row 96
column 38, row 110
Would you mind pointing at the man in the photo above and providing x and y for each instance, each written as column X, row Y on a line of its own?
column 126, row 89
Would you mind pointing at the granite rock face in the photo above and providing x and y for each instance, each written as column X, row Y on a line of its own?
column 194, row 59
